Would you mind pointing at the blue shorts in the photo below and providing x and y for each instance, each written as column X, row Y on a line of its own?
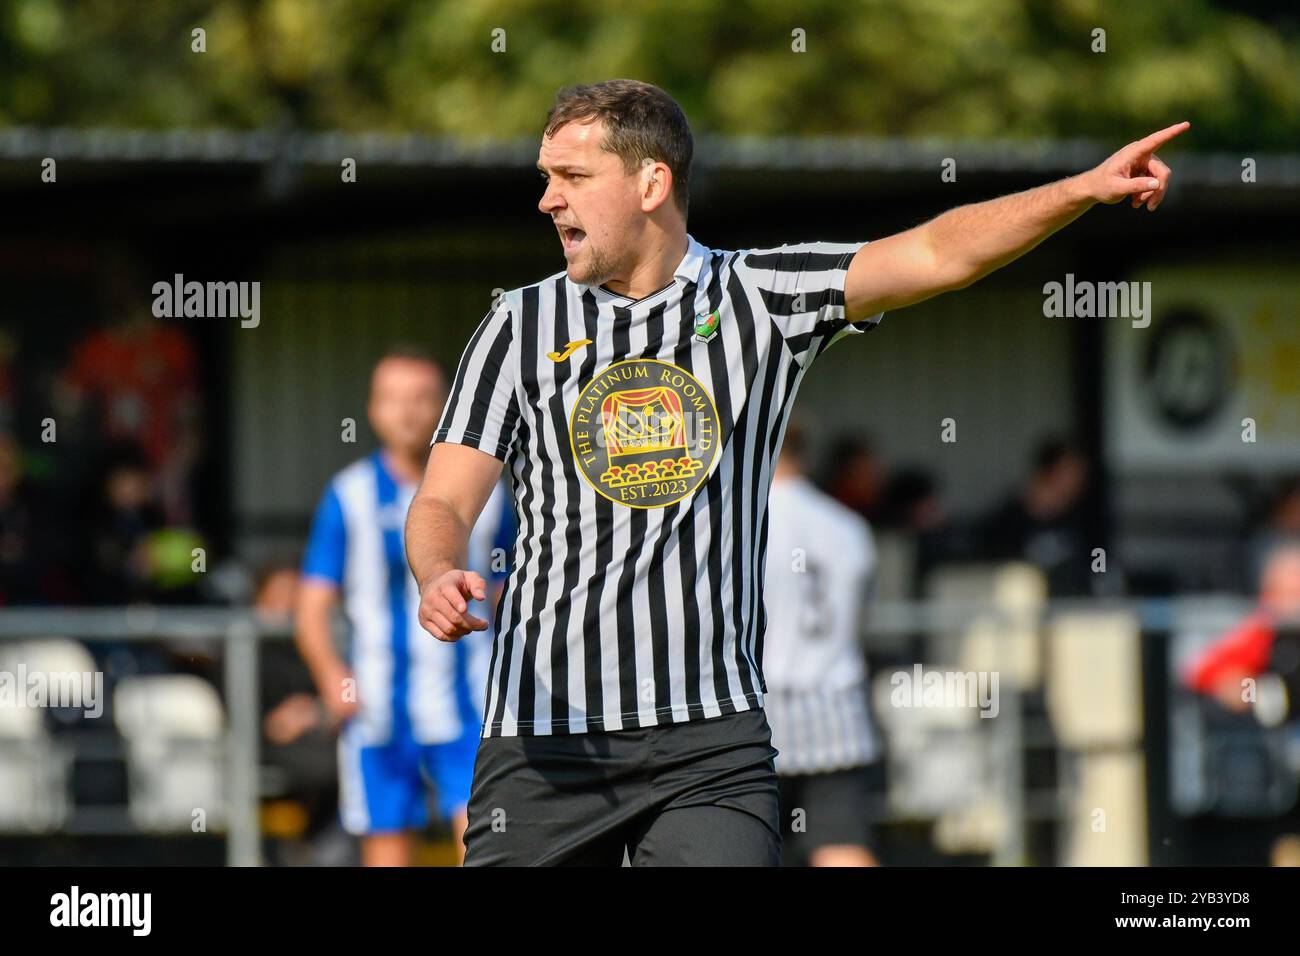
column 385, row 788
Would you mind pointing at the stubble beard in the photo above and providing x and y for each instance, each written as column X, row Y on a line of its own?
column 600, row 267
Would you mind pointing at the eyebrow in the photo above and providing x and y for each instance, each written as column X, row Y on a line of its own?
column 563, row 168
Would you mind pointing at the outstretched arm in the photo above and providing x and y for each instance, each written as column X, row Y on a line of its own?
column 965, row 244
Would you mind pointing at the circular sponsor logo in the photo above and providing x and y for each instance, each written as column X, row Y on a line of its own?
column 1187, row 371
column 644, row 433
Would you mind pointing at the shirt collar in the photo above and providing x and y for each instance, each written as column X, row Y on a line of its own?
column 693, row 261
column 688, row 269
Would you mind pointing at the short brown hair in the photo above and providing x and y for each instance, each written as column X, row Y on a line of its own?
column 641, row 121
column 411, row 351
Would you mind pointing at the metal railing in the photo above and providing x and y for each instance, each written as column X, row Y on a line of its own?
column 240, row 632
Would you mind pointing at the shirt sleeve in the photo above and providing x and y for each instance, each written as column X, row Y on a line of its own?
column 802, row 288
column 483, row 409
column 327, row 543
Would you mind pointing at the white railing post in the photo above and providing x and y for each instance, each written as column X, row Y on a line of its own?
column 243, row 826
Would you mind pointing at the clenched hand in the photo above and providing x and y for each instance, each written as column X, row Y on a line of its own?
column 444, row 604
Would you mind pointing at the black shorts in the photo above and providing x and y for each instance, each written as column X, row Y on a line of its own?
column 699, row 793
column 830, row 809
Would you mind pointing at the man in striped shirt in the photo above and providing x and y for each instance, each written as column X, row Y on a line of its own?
column 638, row 400
column 821, row 561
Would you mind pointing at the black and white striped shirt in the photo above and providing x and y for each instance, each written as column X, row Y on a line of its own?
column 640, row 437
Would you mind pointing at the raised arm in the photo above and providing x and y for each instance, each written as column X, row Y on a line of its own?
column 457, row 482
column 965, row 244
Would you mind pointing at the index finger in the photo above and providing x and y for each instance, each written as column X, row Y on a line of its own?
column 1160, row 137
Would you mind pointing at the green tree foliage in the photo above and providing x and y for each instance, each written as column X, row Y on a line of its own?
column 949, row 68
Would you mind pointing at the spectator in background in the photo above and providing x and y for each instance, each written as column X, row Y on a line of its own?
column 1248, row 649
column 1281, row 526
column 118, row 564
column 911, row 502
column 289, row 698
column 1266, row 645
column 300, row 738
column 912, row 507
column 136, row 379
column 127, row 513
column 19, row 561
column 36, row 564
column 135, row 555
column 1045, row 522
column 855, row 477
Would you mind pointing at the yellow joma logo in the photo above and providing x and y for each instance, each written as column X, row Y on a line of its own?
column 568, row 350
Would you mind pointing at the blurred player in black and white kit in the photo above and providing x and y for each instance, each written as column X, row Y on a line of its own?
column 821, row 561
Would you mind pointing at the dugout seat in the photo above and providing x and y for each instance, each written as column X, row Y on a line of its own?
column 173, row 726
column 949, row 763
column 1006, row 638
column 938, row 760
column 35, row 768
column 1094, row 697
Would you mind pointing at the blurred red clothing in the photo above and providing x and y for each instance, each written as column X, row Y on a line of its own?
column 1242, row 652
column 142, row 379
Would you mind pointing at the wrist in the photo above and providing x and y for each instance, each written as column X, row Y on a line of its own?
column 326, row 675
column 436, row 571
column 1081, row 190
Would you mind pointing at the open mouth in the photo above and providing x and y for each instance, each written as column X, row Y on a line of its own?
column 571, row 238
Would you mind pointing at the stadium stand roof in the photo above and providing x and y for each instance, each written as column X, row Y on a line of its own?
column 832, row 154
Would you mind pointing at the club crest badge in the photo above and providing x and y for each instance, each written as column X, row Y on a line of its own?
column 644, row 433
column 707, row 325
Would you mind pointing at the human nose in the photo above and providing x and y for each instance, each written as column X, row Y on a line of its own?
column 551, row 199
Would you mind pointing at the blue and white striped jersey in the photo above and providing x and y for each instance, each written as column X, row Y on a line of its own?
column 408, row 682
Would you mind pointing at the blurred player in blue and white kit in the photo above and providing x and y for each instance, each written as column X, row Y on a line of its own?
column 410, row 705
